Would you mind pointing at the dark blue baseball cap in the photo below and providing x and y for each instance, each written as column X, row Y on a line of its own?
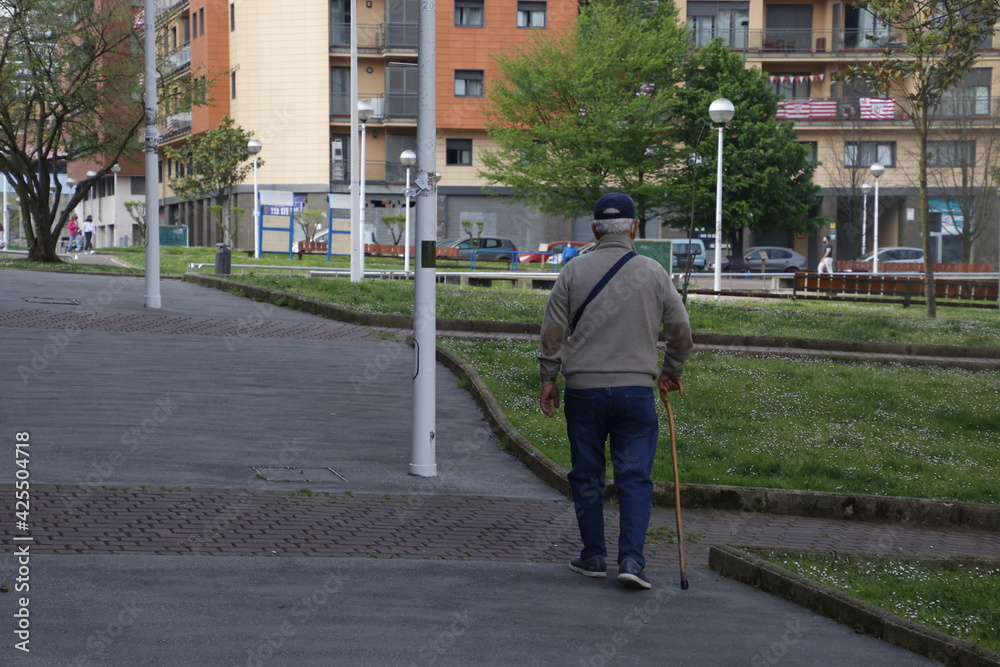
column 614, row 205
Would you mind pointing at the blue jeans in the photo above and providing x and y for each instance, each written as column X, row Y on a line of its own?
column 628, row 416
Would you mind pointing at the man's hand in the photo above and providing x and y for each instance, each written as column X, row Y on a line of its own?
column 549, row 398
column 669, row 384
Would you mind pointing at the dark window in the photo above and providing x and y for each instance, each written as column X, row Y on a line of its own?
column 866, row 153
column 458, row 152
column 232, row 17
column 469, row 13
column 951, row 153
column 201, row 20
column 531, row 14
column 232, row 85
column 469, row 83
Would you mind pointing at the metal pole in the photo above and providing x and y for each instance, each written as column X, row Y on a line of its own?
column 406, row 225
column 356, row 268
column 875, row 231
column 256, row 212
column 361, row 195
column 152, row 163
column 6, row 213
column 864, row 222
column 717, row 286
column 424, row 459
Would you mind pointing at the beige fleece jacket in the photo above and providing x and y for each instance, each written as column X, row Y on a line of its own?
column 614, row 344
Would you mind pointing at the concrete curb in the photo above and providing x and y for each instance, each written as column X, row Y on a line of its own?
column 858, row 507
column 736, row 563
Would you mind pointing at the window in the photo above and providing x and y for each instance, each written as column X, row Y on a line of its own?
column 530, row 14
column 232, row 85
column 469, row 13
column 469, row 83
column 458, row 152
column 795, row 85
column 813, row 147
column 866, row 153
column 971, row 97
column 232, row 17
column 951, row 153
column 728, row 20
column 201, row 20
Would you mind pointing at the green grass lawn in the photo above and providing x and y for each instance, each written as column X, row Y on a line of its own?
column 962, row 602
column 796, row 424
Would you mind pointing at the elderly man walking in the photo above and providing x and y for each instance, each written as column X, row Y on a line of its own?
column 601, row 327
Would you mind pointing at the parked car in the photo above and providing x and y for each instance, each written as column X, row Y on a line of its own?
column 684, row 247
column 888, row 257
column 487, row 249
column 544, row 256
column 775, row 260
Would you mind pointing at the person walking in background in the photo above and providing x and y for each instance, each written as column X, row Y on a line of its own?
column 73, row 227
column 88, row 233
column 826, row 259
column 601, row 327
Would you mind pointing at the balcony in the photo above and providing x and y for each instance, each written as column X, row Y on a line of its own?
column 388, row 108
column 375, row 37
column 180, row 59
column 954, row 110
column 814, row 43
column 164, row 6
column 378, row 172
column 176, row 125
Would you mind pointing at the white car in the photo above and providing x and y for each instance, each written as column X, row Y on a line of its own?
column 889, row 257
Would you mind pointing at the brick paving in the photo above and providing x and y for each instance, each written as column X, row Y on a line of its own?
column 89, row 520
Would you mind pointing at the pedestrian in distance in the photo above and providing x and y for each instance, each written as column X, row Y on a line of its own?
column 600, row 329
column 73, row 227
column 88, row 233
column 826, row 259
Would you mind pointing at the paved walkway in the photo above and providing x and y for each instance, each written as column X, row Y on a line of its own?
column 224, row 482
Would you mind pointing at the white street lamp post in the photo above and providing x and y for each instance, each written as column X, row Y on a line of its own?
column 365, row 110
column 254, row 146
column 408, row 158
column 115, row 168
column 721, row 112
column 89, row 195
column 865, row 189
column 876, row 169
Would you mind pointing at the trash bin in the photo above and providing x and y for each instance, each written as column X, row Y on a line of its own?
column 223, row 259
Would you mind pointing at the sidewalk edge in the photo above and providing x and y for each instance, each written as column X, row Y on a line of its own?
column 740, row 565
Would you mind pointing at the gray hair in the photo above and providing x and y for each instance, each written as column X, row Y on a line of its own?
column 614, row 225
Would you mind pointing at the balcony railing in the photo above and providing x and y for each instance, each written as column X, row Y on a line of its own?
column 176, row 125
column 381, row 172
column 164, row 6
column 848, row 109
column 387, row 108
column 375, row 37
column 815, row 42
column 180, row 59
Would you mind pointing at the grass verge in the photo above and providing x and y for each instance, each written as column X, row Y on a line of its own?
column 960, row 601
column 795, row 424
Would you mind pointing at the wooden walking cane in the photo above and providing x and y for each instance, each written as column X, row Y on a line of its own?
column 677, row 485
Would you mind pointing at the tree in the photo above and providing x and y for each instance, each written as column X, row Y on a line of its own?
column 767, row 175
column 590, row 109
column 308, row 220
column 137, row 211
column 71, row 84
column 395, row 225
column 212, row 164
column 934, row 49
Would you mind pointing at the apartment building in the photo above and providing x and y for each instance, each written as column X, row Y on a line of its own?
column 284, row 75
column 802, row 46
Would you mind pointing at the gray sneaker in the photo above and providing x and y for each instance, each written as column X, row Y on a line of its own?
column 631, row 575
column 591, row 567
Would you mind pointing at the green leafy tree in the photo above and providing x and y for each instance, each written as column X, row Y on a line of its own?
column 137, row 211
column 71, row 85
column 395, row 225
column 474, row 230
column 767, row 175
column 214, row 163
column 577, row 113
column 307, row 222
column 934, row 50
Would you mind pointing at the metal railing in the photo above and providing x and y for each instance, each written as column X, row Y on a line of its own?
column 849, row 109
column 387, row 107
column 379, row 37
column 818, row 42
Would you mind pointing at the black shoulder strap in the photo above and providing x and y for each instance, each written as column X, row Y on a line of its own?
column 599, row 286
